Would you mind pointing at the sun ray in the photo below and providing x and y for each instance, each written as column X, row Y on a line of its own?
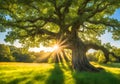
column 57, row 53
column 59, row 60
column 62, row 57
column 43, row 56
column 68, row 54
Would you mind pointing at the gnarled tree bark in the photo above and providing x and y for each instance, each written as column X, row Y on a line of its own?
column 79, row 59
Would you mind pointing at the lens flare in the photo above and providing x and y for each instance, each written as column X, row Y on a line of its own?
column 56, row 47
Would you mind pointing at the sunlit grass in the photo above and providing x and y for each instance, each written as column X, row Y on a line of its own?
column 45, row 73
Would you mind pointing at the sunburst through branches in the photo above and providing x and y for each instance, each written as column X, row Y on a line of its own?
column 58, row 52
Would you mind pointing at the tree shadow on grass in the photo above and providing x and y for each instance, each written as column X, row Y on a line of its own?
column 66, row 66
column 17, row 80
column 102, row 77
column 56, row 76
column 112, row 65
column 22, row 77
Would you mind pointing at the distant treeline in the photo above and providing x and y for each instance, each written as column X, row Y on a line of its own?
column 14, row 54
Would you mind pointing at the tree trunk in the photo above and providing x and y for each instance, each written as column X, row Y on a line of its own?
column 79, row 59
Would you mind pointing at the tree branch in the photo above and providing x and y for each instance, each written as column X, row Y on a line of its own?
column 105, row 51
column 107, row 22
column 97, row 10
column 38, row 29
column 82, row 6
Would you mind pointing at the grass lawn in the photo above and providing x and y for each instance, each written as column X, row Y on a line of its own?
column 45, row 73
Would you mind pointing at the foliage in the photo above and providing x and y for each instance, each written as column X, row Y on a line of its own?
column 97, row 56
column 117, row 52
column 11, row 53
column 19, row 57
column 40, row 57
column 92, row 57
column 5, row 54
column 38, row 21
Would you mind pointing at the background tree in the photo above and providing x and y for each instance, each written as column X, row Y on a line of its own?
column 19, row 57
column 74, row 24
column 5, row 54
column 97, row 56
column 21, row 54
column 115, row 57
column 107, row 50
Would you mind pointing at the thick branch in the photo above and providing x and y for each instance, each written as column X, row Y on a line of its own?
column 33, row 20
column 38, row 30
column 82, row 7
column 107, row 22
column 97, row 10
column 105, row 51
column 118, row 57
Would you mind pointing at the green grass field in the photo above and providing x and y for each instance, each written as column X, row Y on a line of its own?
column 44, row 73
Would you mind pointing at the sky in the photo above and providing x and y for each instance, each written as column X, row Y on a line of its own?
column 107, row 37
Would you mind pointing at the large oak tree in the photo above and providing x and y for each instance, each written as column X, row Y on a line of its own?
column 75, row 24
